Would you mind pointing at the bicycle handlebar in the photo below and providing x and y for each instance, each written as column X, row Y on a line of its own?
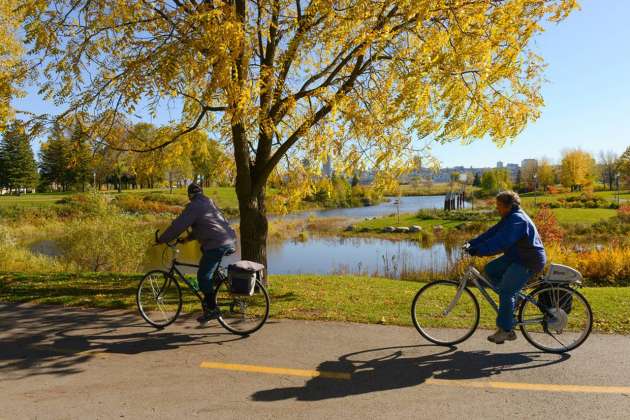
column 171, row 244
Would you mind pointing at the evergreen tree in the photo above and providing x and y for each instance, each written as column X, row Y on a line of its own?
column 18, row 169
column 54, row 158
column 477, row 180
column 66, row 161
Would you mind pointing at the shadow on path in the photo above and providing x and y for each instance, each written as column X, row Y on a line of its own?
column 52, row 340
column 398, row 367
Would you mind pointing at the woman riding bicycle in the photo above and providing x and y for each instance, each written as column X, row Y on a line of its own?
column 217, row 238
column 523, row 256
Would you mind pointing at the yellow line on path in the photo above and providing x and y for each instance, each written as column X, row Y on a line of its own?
column 277, row 371
column 584, row 389
column 519, row 386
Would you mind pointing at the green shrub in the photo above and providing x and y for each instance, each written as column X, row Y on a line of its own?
column 461, row 215
column 6, row 237
column 79, row 205
column 30, row 215
column 132, row 203
column 14, row 257
column 109, row 243
column 170, row 199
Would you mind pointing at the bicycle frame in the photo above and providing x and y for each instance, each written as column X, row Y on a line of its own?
column 217, row 277
column 481, row 283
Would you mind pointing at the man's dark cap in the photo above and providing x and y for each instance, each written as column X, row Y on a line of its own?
column 194, row 189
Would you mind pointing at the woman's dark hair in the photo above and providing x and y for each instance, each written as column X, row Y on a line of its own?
column 509, row 198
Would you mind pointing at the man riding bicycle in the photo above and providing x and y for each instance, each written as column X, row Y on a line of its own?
column 523, row 256
column 213, row 232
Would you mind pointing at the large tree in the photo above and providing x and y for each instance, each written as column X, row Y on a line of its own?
column 495, row 180
column 357, row 79
column 546, row 174
column 18, row 169
column 608, row 163
column 577, row 169
column 66, row 158
column 623, row 165
column 13, row 69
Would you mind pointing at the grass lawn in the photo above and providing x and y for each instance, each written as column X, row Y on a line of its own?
column 586, row 216
column 315, row 297
column 223, row 196
column 31, row 200
column 611, row 196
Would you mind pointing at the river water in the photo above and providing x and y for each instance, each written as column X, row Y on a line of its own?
column 371, row 256
column 409, row 204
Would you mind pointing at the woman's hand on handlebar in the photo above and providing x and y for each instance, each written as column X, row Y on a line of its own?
column 468, row 249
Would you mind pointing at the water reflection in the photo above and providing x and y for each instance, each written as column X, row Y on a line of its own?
column 367, row 256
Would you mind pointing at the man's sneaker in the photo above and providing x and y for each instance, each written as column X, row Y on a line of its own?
column 500, row 336
column 207, row 316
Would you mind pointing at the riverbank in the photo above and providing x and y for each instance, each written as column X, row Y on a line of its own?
column 427, row 188
column 329, row 298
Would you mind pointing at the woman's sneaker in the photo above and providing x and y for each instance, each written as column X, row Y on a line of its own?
column 500, row 336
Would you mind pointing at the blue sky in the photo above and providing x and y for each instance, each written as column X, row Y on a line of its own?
column 587, row 94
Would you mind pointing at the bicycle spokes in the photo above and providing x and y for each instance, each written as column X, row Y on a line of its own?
column 555, row 318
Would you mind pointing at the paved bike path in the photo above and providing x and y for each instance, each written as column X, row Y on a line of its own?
column 69, row 363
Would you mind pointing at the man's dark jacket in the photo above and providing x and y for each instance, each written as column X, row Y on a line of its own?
column 208, row 224
column 516, row 236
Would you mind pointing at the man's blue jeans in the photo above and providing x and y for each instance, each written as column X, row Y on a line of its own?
column 210, row 260
column 508, row 278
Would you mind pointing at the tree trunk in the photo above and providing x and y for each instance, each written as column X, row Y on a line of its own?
column 251, row 202
column 253, row 228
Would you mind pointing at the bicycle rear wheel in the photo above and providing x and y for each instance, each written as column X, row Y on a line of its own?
column 564, row 326
column 159, row 298
column 241, row 314
column 430, row 315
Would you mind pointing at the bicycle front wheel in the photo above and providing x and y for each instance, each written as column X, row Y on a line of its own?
column 439, row 318
column 242, row 314
column 555, row 318
column 159, row 298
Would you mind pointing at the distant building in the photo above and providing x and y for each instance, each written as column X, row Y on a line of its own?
column 500, row 165
column 528, row 164
column 513, row 169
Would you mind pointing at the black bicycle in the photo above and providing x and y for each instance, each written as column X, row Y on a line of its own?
column 159, row 298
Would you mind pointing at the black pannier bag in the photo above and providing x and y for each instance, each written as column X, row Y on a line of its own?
column 243, row 275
